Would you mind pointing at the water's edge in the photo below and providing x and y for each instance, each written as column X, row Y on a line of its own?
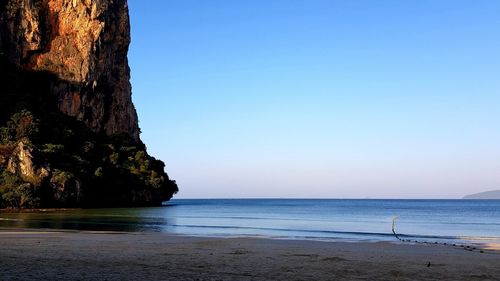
column 425, row 221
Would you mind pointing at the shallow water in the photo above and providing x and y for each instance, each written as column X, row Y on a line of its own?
column 453, row 221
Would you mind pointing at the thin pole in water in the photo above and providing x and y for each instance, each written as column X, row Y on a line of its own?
column 394, row 228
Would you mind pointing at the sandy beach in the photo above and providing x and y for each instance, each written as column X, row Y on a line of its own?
column 61, row 255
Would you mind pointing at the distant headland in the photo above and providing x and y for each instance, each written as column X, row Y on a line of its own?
column 492, row 194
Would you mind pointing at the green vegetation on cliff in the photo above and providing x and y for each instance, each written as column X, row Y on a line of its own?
column 48, row 159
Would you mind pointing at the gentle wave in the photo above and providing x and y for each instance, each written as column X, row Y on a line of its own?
column 266, row 218
column 322, row 231
column 327, row 220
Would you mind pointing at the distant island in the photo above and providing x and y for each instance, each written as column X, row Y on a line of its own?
column 492, row 194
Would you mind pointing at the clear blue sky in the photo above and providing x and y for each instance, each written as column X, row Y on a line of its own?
column 312, row 98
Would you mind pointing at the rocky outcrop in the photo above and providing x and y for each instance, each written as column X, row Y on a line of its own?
column 69, row 134
column 21, row 162
column 66, row 189
column 85, row 44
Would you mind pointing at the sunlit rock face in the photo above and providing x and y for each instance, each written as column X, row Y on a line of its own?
column 85, row 44
column 21, row 162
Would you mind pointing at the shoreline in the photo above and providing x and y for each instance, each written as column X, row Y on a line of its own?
column 473, row 244
column 340, row 225
column 34, row 254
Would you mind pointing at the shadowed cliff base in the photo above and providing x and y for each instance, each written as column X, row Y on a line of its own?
column 49, row 159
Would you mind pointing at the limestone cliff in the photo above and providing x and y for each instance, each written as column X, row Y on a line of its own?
column 84, row 43
column 69, row 133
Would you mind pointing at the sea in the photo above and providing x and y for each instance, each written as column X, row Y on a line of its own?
column 420, row 221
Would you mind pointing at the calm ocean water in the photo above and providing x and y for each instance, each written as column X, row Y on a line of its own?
column 337, row 220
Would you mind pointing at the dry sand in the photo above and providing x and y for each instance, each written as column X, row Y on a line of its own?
column 48, row 255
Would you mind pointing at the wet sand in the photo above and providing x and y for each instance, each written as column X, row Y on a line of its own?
column 55, row 255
